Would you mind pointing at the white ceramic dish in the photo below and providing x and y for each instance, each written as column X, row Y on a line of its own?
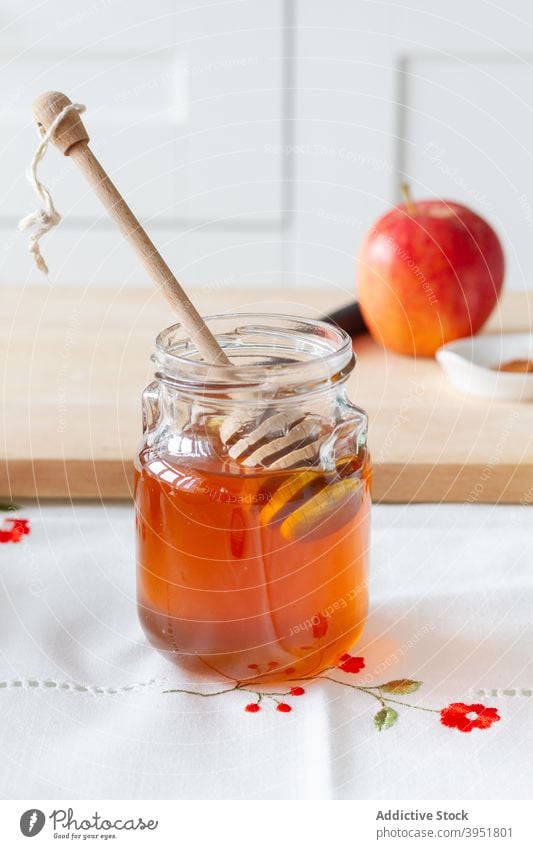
column 470, row 365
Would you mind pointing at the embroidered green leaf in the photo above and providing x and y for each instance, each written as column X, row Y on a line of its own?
column 402, row 686
column 385, row 718
column 7, row 508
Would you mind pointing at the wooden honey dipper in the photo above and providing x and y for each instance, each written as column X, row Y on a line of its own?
column 290, row 439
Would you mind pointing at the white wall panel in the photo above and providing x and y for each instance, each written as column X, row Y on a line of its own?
column 468, row 135
column 186, row 110
column 377, row 83
column 260, row 140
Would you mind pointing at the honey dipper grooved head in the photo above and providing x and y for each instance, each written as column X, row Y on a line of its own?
column 71, row 130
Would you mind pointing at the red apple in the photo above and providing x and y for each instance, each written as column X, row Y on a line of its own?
column 428, row 272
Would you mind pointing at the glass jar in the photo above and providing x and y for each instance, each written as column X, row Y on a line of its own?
column 256, row 571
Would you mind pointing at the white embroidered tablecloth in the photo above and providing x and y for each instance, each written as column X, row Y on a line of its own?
column 84, row 712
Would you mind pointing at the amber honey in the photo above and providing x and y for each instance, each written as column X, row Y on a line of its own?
column 257, row 575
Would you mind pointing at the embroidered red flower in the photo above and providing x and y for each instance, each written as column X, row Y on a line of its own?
column 458, row 715
column 14, row 530
column 351, row 664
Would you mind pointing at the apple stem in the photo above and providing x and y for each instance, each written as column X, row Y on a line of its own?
column 408, row 200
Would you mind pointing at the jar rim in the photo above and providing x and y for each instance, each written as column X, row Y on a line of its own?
column 315, row 351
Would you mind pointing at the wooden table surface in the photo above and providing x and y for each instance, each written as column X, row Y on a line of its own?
column 75, row 362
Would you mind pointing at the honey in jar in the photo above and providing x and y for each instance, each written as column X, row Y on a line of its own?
column 252, row 573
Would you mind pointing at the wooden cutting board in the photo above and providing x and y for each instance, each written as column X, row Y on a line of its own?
column 76, row 360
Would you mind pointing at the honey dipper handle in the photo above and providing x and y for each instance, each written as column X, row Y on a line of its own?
column 147, row 252
column 72, row 139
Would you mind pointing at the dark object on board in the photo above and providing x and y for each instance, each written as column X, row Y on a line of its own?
column 348, row 318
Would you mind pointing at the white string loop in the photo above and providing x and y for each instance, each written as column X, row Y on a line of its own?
column 44, row 219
